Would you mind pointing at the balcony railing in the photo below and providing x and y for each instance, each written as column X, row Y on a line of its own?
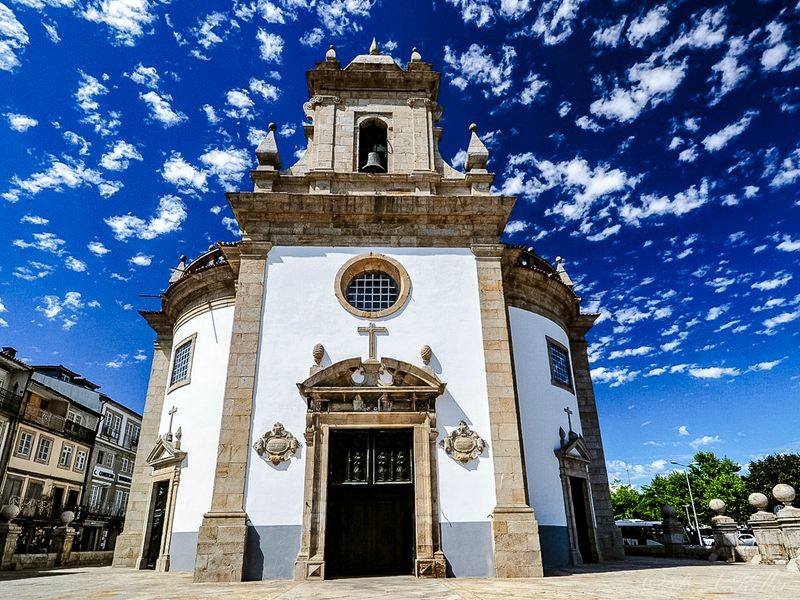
column 41, row 508
column 109, row 433
column 10, row 402
column 79, row 432
column 131, row 441
column 45, row 417
column 106, row 509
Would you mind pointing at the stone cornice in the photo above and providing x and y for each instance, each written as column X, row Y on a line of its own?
column 371, row 220
column 370, row 78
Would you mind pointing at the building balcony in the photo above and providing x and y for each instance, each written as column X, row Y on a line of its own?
column 103, row 509
column 10, row 402
column 110, row 434
column 33, row 508
column 45, row 417
column 79, row 432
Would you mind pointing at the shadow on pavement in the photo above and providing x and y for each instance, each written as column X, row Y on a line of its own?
column 631, row 563
column 34, row 573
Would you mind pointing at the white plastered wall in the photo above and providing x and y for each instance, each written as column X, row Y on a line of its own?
column 199, row 412
column 541, row 407
column 301, row 310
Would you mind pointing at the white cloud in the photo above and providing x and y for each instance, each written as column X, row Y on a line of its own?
column 717, row 141
column 609, row 36
column 255, row 135
column 160, row 108
column 713, row 372
column 34, row 220
column 232, row 226
column 141, row 260
column 45, row 241
column 76, row 140
column 211, row 114
column 706, row 440
column 170, row 213
column 119, row 157
column 18, row 122
column 683, row 430
column 564, row 108
column 97, row 248
column 59, row 175
column 604, row 233
column 476, row 67
column 266, row 90
column 184, row 176
column 729, row 70
column 205, row 33
column 716, row 311
column 778, row 50
column 312, row 37
column 33, row 271
column 779, row 280
column 240, row 104
column 270, row 46
column 337, row 15
column 86, row 95
column 516, row 226
column 773, row 323
column 146, row 76
column 13, row 38
column 126, row 18
column 689, row 154
column 789, row 170
column 478, row 11
column 555, row 20
column 648, row 25
column 229, row 165
column 53, row 307
column 587, row 123
column 708, row 31
column 621, row 470
column 73, row 264
column 533, row 85
column 657, row 206
column 640, row 351
column 766, row 365
column 788, row 244
column 651, row 82
column 616, row 377
column 52, row 32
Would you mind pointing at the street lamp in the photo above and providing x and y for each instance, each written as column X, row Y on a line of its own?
column 691, row 499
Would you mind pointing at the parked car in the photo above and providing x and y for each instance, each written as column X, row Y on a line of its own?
column 708, row 540
column 746, row 539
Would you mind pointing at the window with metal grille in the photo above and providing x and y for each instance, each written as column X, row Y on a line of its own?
column 180, row 366
column 559, row 364
column 372, row 291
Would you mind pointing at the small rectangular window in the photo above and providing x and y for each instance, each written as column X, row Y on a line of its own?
column 560, row 374
column 43, row 452
column 65, row 460
column 25, row 444
column 182, row 364
column 80, row 460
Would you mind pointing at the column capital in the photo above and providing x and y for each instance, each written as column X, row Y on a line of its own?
column 488, row 251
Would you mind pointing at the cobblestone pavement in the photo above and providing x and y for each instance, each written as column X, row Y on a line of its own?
column 632, row 579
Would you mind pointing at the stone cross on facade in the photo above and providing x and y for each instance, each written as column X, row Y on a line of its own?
column 372, row 331
column 171, row 413
column 568, row 410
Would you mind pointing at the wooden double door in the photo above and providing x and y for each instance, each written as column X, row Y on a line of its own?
column 370, row 515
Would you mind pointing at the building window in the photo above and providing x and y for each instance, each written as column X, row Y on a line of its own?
column 131, row 435
column 65, row 460
column 113, row 425
column 372, row 147
column 13, row 489
column 372, row 291
column 372, row 286
column 559, row 364
column 43, row 451
column 80, row 460
column 125, row 465
column 75, row 417
column 107, row 460
column 24, row 444
column 182, row 364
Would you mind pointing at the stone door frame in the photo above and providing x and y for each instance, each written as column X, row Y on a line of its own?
column 574, row 461
column 429, row 560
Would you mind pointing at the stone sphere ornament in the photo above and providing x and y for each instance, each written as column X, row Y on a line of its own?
column 9, row 512
column 668, row 511
column 318, row 352
column 426, row 353
column 784, row 493
column 67, row 517
column 717, row 505
column 758, row 500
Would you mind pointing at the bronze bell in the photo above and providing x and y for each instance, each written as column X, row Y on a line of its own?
column 373, row 163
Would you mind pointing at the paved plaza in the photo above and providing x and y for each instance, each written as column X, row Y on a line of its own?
column 633, row 578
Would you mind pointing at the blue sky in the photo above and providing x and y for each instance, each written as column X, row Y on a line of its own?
column 655, row 147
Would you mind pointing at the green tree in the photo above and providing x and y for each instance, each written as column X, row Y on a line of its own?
column 624, row 500
column 772, row 470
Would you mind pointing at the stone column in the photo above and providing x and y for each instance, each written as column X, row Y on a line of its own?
column 129, row 549
column 674, row 535
column 725, row 533
column 517, row 550
column 223, row 534
column 767, row 533
column 62, row 544
column 8, row 544
column 609, row 537
column 789, row 522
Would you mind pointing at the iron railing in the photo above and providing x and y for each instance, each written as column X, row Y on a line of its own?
column 10, row 402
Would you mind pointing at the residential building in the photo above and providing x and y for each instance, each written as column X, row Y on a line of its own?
column 14, row 377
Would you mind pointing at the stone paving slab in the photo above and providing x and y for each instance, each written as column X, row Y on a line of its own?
column 632, row 579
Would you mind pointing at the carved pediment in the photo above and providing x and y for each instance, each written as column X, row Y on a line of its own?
column 166, row 453
column 574, row 448
column 385, row 385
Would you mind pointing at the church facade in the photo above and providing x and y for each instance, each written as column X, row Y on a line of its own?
column 369, row 382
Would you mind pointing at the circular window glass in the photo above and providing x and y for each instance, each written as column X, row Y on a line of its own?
column 372, row 291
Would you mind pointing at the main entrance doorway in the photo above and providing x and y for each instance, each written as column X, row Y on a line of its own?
column 583, row 519
column 370, row 516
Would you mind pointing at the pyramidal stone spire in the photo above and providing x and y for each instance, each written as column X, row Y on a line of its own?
column 477, row 153
column 178, row 271
column 562, row 272
column 267, row 151
column 373, row 47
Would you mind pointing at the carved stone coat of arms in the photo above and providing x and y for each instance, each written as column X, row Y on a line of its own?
column 277, row 445
column 463, row 444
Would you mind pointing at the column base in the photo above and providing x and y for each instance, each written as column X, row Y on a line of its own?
column 517, row 550
column 221, row 546
column 435, row 567
column 309, row 568
column 162, row 564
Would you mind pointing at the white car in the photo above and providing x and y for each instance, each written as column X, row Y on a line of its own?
column 746, row 539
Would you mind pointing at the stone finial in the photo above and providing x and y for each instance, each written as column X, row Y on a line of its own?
column 426, row 353
column 178, row 436
column 267, row 151
column 562, row 272
column 668, row 511
column 9, row 512
column 758, row 501
column 318, row 352
column 415, row 56
column 178, row 271
column 784, row 493
column 477, row 153
column 330, row 55
column 67, row 517
column 717, row 505
column 373, row 47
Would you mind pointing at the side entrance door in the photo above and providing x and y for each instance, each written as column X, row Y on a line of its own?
column 370, row 519
column 157, row 523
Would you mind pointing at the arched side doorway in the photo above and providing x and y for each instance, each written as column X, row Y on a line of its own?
column 370, row 436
